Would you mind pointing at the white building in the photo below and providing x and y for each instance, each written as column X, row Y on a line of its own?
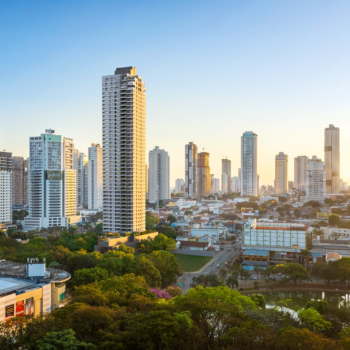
column 281, row 173
column 235, row 184
column 226, row 169
column 249, row 179
column 315, row 180
column 217, row 234
column 268, row 198
column 216, row 185
column 52, row 182
column 224, row 183
column 124, row 151
column 332, row 158
column 179, row 185
column 95, row 177
column 158, row 175
column 80, row 165
column 300, row 168
column 190, row 169
column 6, row 187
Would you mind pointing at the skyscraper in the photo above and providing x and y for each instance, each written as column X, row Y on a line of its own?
column 5, row 187
column 281, row 173
column 179, row 185
column 315, row 180
column 52, row 182
column 332, row 158
column 80, row 161
column 226, row 169
column 20, row 181
column 235, row 184
column 249, row 186
column 124, row 151
column 159, row 175
column 190, row 169
column 224, row 183
column 203, row 175
column 95, row 178
column 300, row 168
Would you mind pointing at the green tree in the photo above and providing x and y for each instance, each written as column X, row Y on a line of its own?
column 305, row 255
column 223, row 274
column 259, row 300
column 150, row 222
column 314, row 320
column 86, row 276
column 99, row 228
column 188, row 212
column 171, row 219
column 297, row 213
column 334, row 220
column 159, row 242
column 63, row 340
column 232, row 281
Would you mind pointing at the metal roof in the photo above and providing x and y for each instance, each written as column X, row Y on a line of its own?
column 256, row 252
column 316, row 254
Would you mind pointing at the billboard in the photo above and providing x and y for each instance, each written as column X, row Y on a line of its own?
column 30, row 307
column 9, row 312
column 20, row 308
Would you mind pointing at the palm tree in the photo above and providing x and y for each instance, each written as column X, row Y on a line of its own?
column 223, row 274
column 232, row 281
column 306, row 254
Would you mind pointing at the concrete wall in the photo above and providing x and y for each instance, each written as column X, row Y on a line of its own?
column 194, row 252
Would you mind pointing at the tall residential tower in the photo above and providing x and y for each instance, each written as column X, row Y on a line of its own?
column 124, row 151
column 300, row 168
column 95, row 178
column 226, row 169
column 190, row 169
column 332, row 158
column 6, row 187
column 281, row 173
column 249, row 175
column 203, row 175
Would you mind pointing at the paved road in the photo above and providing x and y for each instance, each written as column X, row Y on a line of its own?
column 220, row 258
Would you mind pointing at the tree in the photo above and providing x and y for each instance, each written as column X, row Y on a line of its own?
column 232, row 281
column 87, row 276
column 174, row 291
column 282, row 199
column 297, row 213
column 223, row 274
column 259, row 300
column 150, row 222
column 334, row 220
column 305, row 255
column 99, row 228
column 159, row 242
column 314, row 320
column 63, row 340
column 188, row 212
column 171, row 219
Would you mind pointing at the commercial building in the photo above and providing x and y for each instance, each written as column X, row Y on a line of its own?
column 30, row 290
column 277, row 242
column 191, row 169
column 226, row 169
column 124, row 151
column 300, row 168
column 52, row 182
column 5, row 187
column 95, row 177
column 315, row 180
column 203, row 175
column 179, row 185
column 249, row 175
column 281, row 173
column 332, row 158
column 158, row 175
column 20, row 185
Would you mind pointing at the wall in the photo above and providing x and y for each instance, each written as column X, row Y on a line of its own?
column 193, row 252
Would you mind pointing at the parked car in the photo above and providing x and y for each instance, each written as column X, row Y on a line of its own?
column 217, row 265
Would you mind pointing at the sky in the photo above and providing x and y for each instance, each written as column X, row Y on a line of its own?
column 212, row 69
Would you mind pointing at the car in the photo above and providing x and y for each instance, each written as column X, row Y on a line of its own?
column 217, row 265
column 254, row 277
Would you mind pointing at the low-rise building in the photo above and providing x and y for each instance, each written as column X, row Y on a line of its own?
column 218, row 233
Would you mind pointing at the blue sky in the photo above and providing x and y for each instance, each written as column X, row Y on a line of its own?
column 213, row 69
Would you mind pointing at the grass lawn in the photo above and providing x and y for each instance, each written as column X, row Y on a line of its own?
column 190, row 263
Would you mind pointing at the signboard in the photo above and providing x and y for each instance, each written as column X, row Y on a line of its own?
column 181, row 284
column 9, row 312
column 20, row 308
column 30, row 307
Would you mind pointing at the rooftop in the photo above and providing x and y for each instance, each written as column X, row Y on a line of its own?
column 11, row 284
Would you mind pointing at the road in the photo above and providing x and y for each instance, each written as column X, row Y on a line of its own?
column 220, row 258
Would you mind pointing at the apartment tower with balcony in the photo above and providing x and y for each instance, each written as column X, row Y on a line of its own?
column 52, row 182
column 249, row 175
column 191, row 170
column 95, row 177
column 203, row 175
column 5, row 187
column 281, row 173
column 300, row 168
column 332, row 158
column 124, row 151
column 226, row 169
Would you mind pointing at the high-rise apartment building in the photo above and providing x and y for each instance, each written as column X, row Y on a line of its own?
column 332, row 158
column 80, row 165
column 20, row 188
column 159, row 175
column 6, row 187
column 191, row 169
column 315, row 180
column 216, row 185
column 249, row 175
column 124, row 151
column 95, row 177
column 146, row 177
column 52, row 182
column 224, row 183
column 235, row 184
column 226, row 169
column 300, row 168
column 281, row 173
column 212, row 183
column 179, row 185
column 203, row 175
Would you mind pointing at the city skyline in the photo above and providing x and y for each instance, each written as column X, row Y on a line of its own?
column 301, row 76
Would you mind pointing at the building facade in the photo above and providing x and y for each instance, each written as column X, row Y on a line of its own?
column 315, row 180
column 226, row 169
column 179, row 185
column 20, row 188
column 191, row 170
column 300, row 168
column 332, row 158
column 80, row 165
column 249, row 175
column 203, row 175
column 158, row 175
column 124, row 151
column 235, row 184
column 52, row 182
column 224, row 183
column 95, row 177
column 281, row 173
column 6, row 187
